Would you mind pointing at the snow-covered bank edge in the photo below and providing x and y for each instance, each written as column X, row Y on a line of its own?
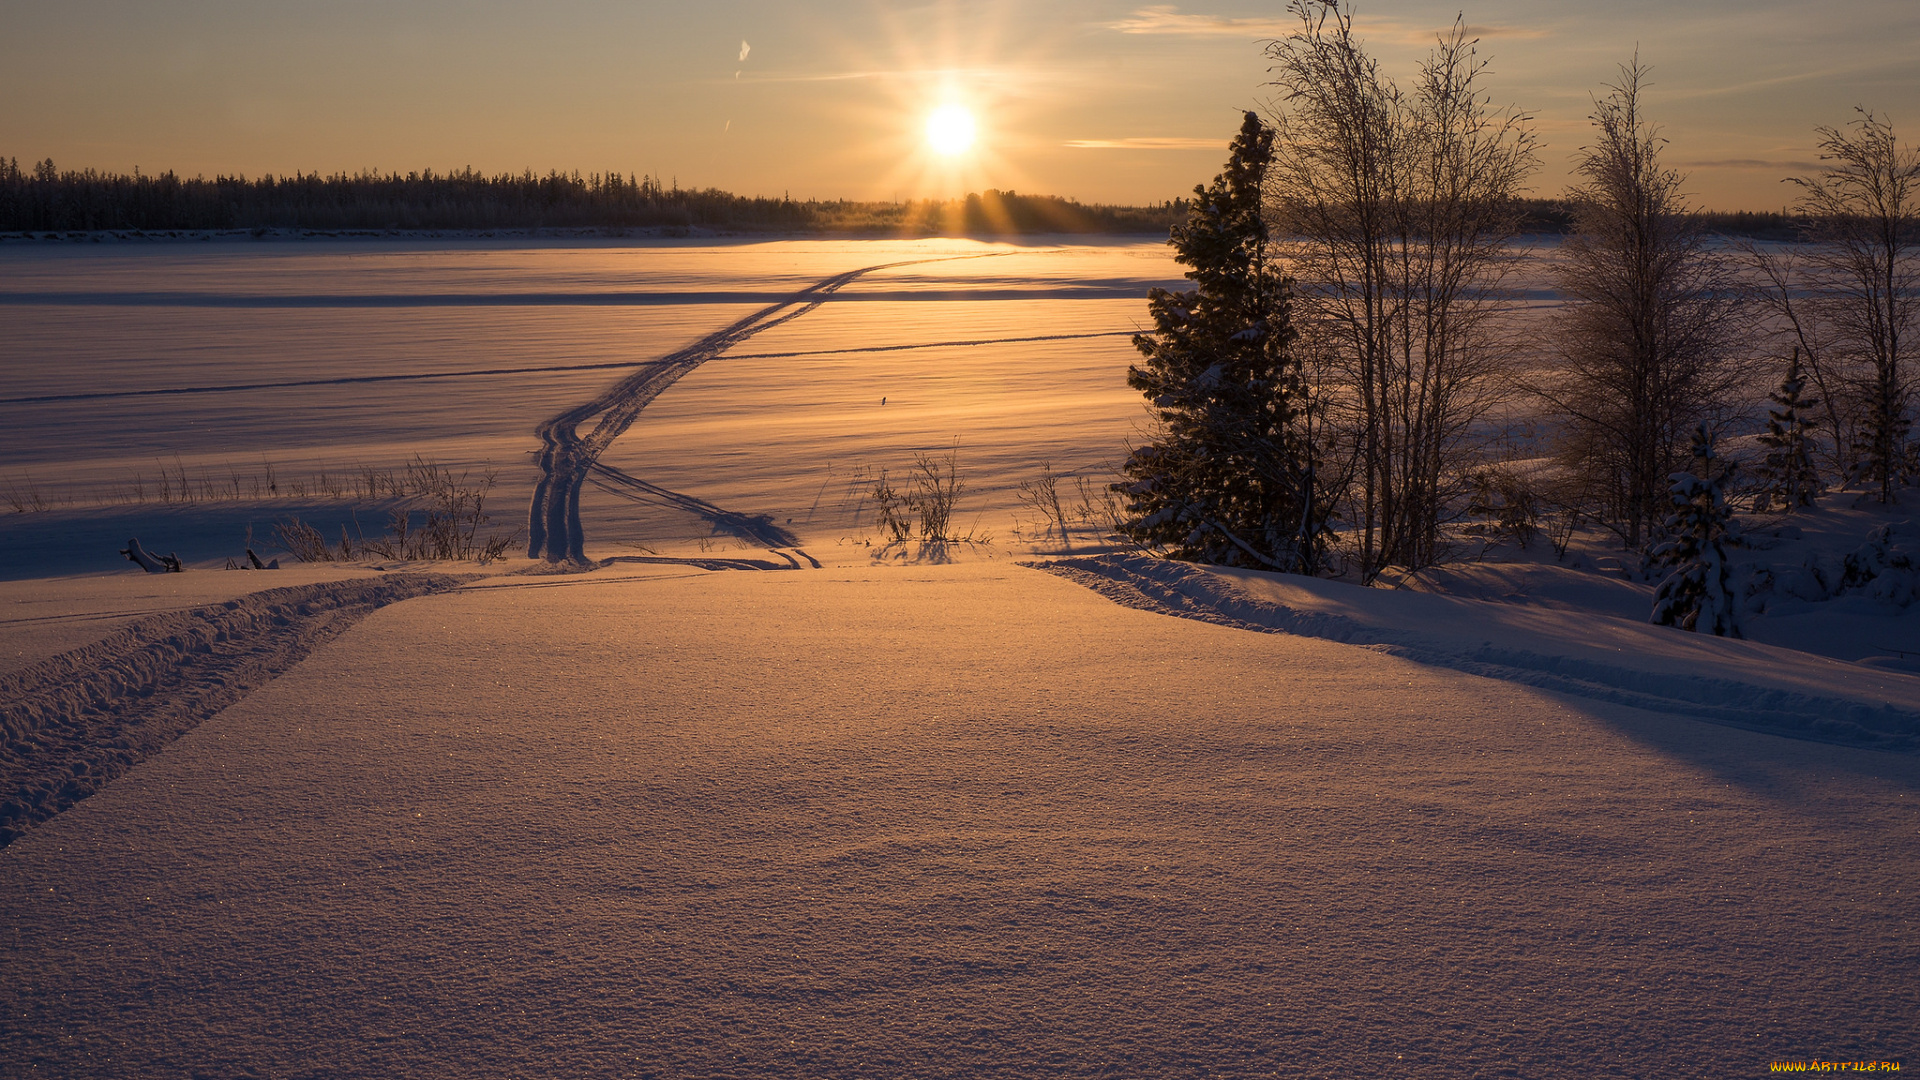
column 71, row 724
column 1737, row 684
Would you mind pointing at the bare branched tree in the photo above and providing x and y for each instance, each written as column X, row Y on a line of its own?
column 1647, row 335
column 1402, row 203
column 1864, row 270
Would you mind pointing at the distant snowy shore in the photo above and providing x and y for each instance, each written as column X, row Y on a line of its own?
column 654, row 232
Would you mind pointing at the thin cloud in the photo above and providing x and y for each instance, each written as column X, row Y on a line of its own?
column 1146, row 144
column 1473, row 30
column 1752, row 163
column 1409, row 34
column 1168, row 19
column 971, row 76
column 1777, row 80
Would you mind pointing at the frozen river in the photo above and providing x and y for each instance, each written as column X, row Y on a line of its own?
column 127, row 362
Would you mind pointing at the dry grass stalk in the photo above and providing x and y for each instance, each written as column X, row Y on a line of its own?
column 1042, row 496
column 895, row 509
column 449, row 530
column 23, row 496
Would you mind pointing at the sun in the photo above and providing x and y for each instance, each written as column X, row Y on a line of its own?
column 950, row 130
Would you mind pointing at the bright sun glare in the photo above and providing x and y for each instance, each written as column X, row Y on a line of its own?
column 950, row 130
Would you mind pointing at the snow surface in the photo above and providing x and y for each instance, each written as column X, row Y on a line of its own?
column 947, row 821
column 1584, row 653
column 871, row 814
column 44, row 617
column 81, row 719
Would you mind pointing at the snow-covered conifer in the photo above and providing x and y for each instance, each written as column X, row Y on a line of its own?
column 1789, row 474
column 1697, row 592
column 1229, row 476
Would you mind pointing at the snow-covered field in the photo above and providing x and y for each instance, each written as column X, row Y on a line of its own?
column 373, row 354
column 879, row 816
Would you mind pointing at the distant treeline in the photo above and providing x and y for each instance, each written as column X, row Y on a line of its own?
column 46, row 199
column 1552, row 216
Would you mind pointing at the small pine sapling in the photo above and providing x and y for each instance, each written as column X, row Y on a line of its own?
column 1788, row 473
column 1697, row 592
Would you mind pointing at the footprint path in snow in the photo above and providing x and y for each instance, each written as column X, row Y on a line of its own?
column 71, row 724
column 567, row 458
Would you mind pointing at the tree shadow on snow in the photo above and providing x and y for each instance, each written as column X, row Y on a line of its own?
column 1804, row 775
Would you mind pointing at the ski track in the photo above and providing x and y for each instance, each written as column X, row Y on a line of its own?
column 71, row 724
column 1093, row 289
column 481, row 373
column 1188, row 592
column 554, row 531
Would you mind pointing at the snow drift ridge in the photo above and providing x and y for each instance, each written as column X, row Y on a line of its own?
column 1751, row 686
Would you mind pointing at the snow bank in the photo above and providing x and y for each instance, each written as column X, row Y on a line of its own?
column 72, row 723
column 1737, row 683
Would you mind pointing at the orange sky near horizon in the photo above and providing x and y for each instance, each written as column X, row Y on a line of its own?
column 1100, row 101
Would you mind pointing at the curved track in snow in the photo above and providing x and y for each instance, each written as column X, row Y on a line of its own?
column 567, row 458
column 71, row 724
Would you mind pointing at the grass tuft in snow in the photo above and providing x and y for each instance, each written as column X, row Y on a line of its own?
column 926, row 505
column 24, row 496
column 1097, row 513
column 449, row 531
column 924, row 508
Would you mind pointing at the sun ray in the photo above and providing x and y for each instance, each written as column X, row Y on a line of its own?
column 938, row 57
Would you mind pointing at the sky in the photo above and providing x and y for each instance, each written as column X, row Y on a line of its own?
column 1113, row 102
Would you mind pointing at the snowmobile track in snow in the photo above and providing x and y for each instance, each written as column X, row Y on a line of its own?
column 71, row 724
column 567, row 458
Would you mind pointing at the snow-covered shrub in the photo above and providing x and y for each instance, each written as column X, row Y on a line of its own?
column 1808, row 581
column 1697, row 592
column 1882, row 568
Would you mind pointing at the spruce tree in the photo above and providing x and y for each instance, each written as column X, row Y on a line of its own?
column 1229, row 477
column 1697, row 593
column 1790, row 477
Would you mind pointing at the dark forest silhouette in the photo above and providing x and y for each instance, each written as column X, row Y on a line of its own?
column 44, row 199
